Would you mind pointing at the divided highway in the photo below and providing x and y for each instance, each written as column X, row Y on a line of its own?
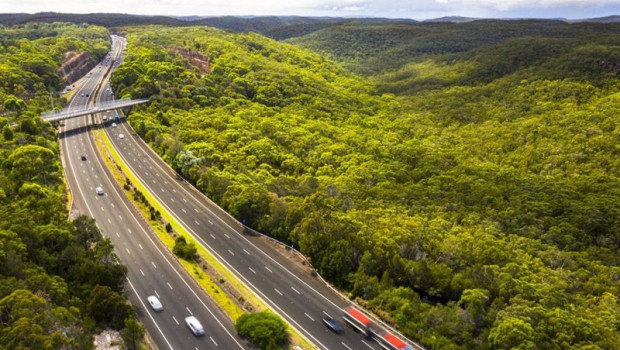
column 152, row 269
column 288, row 289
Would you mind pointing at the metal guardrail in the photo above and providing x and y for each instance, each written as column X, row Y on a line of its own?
column 68, row 113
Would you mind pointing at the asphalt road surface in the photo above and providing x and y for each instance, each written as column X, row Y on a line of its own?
column 152, row 269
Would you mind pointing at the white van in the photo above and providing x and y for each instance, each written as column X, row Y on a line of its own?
column 194, row 326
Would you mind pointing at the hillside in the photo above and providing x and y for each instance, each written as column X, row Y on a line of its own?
column 101, row 19
column 380, row 47
column 480, row 210
column 59, row 280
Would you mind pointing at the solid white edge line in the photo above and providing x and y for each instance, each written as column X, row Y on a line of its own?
column 167, row 261
column 149, row 313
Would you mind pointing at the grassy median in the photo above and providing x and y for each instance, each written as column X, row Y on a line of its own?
column 212, row 288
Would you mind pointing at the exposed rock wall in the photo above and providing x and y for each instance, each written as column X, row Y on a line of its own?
column 75, row 66
column 195, row 58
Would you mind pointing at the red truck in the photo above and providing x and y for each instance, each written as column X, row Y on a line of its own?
column 358, row 321
column 389, row 341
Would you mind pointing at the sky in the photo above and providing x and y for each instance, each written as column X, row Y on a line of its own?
column 415, row 9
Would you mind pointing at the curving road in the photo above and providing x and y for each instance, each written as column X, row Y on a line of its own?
column 287, row 288
column 152, row 269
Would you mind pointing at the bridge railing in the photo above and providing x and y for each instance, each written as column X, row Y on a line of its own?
column 79, row 111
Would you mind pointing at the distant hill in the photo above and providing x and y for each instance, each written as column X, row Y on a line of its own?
column 606, row 19
column 453, row 19
column 370, row 48
column 189, row 18
column 102, row 19
column 277, row 27
column 262, row 24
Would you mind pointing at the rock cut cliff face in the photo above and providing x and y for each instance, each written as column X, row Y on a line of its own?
column 75, row 66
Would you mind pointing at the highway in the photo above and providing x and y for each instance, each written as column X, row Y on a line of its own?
column 287, row 288
column 152, row 268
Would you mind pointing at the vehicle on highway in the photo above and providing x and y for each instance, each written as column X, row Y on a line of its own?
column 155, row 303
column 389, row 341
column 121, row 136
column 99, row 190
column 83, row 157
column 194, row 326
column 113, row 125
column 105, row 117
column 358, row 321
column 332, row 324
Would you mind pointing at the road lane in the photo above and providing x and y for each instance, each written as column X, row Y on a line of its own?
column 152, row 269
column 224, row 237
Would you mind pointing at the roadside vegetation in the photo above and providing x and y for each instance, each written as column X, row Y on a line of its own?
column 60, row 282
column 469, row 196
column 265, row 330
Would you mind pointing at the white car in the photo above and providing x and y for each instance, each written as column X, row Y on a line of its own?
column 99, row 190
column 194, row 326
column 121, row 136
column 155, row 304
column 113, row 125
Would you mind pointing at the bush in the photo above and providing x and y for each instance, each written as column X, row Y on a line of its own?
column 184, row 250
column 264, row 329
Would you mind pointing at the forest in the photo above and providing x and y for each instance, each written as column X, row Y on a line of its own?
column 459, row 180
column 60, row 282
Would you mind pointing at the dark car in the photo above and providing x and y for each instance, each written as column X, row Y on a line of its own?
column 332, row 324
column 83, row 157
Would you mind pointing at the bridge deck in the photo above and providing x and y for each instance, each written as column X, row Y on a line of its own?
column 68, row 113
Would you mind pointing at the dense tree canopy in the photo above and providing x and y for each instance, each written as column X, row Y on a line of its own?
column 50, row 268
column 467, row 194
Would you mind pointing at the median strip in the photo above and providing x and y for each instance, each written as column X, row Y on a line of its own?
column 122, row 174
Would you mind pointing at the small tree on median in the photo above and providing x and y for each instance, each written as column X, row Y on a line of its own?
column 264, row 329
column 184, row 250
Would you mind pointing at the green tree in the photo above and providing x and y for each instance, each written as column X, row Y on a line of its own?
column 183, row 249
column 132, row 334
column 32, row 162
column 264, row 329
column 512, row 333
column 7, row 132
column 107, row 307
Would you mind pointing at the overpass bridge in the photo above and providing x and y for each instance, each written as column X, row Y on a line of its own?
column 74, row 112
